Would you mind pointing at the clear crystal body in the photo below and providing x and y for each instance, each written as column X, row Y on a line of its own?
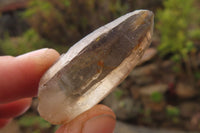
column 94, row 66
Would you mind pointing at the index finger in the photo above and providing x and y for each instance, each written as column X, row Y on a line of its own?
column 19, row 76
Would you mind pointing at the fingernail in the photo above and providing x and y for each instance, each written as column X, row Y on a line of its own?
column 42, row 57
column 35, row 52
column 45, row 53
column 100, row 124
column 40, row 54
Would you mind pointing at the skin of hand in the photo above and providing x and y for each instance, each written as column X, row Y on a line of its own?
column 19, row 78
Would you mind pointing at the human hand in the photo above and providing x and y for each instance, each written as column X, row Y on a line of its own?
column 19, row 78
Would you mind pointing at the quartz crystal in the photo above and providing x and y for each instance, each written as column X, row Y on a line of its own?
column 94, row 66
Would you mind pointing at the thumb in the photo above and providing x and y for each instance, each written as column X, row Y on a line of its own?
column 99, row 119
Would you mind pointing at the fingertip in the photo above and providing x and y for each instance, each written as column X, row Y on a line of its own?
column 19, row 77
column 103, row 122
column 99, row 124
column 98, row 119
column 42, row 58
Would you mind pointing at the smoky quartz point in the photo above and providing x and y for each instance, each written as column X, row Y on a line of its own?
column 94, row 66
